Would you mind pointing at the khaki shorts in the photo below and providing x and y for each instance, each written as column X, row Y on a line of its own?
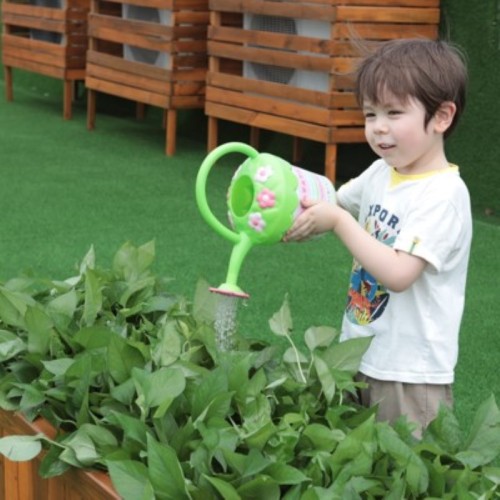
column 419, row 402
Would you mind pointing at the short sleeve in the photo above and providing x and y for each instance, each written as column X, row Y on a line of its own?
column 350, row 195
column 435, row 227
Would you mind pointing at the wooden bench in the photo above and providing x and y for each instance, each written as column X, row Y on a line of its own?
column 177, row 82
column 45, row 40
column 318, row 40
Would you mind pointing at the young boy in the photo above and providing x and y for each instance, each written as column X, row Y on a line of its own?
column 412, row 237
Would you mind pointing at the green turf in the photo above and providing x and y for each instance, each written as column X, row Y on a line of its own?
column 64, row 188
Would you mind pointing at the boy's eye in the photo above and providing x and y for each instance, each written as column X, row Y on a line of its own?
column 369, row 114
column 395, row 112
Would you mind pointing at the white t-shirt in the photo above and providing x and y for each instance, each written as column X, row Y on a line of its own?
column 415, row 331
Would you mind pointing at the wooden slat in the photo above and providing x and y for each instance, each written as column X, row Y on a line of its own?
column 270, row 89
column 281, row 58
column 137, row 81
column 383, row 31
column 388, row 3
column 129, row 67
column 172, row 5
column 33, row 11
column 123, row 90
column 387, row 15
column 272, row 40
column 319, row 11
column 267, row 122
column 262, row 104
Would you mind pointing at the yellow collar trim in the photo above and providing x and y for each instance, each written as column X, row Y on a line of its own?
column 397, row 178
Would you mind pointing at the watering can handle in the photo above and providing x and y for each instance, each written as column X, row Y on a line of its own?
column 201, row 181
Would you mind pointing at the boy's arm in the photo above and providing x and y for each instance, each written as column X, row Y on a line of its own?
column 395, row 269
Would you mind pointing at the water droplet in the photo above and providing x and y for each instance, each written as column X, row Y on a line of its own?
column 225, row 322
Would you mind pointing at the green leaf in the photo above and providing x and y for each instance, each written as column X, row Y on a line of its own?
column 322, row 437
column 281, row 322
column 445, row 430
column 134, row 430
column 319, row 336
column 483, row 442
column 58, row 367
column 39, row 326
column 31, row 398
column 346, row 355
column 130, row 479
column 122, row 358
column 131, row 262
column 62, row 309
column 168, row 349
column 79, row 449
column 155, row 387
column 207, row 390
column 94, row 337
column 10, row 345
column 165, row 471
column 224, row 488
column 326, row 378
column 260, row 487
column 285, row 474
column 416, row 473
column 93, row 297
column 21, row 448
column 13, row 307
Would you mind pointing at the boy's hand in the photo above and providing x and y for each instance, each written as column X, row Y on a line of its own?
column 317, row 218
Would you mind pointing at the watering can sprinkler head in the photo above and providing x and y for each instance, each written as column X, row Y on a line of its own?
column 263, row 201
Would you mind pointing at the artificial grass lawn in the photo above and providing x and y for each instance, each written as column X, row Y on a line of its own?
column 64, row 188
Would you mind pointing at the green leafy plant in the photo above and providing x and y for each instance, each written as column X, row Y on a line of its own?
column 131, row 377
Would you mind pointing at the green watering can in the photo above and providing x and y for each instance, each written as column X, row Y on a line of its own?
column 264, row 199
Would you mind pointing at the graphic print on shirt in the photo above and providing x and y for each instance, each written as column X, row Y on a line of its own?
column 367, row 298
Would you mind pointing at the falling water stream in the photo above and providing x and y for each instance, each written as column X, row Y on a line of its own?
column 225, row 322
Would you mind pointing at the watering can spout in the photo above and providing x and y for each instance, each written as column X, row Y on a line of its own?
column 230, row 287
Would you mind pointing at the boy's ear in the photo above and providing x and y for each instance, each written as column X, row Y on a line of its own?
column 443, row 117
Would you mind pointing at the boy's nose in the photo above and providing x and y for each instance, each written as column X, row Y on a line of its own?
column 380, row 126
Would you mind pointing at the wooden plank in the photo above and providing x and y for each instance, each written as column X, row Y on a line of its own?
column 55, row 25
column 269, row 56
column 277, row 107
column 123, row 90
column 192, row 17
column 383, row 31
column 33, row 66
column 271, row 89
column 267, row 122
column 45, row 53
column 172, row 5
column 33, row 11
column 213, row 4
column 272, row 40
column 387, row 14
column 139, row 81
column 120, row 64
column 319, row 11
column 263, row 104
column 386, row 3
column 342, row 135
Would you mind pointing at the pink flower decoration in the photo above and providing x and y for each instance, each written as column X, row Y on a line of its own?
column 255, row 221
column 263, row 173
column 266, row 198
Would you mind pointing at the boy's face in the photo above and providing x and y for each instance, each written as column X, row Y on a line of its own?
column 395, row 131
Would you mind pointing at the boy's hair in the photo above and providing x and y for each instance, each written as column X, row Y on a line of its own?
column 430, row 71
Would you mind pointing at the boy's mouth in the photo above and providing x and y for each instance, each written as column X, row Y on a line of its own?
column 385, row 147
